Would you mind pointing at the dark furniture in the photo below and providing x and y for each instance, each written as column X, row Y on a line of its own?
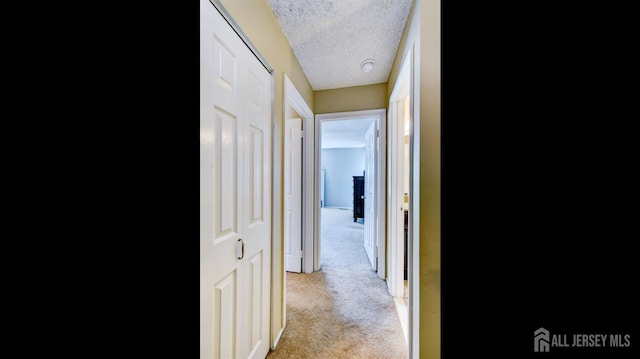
column 358, row 197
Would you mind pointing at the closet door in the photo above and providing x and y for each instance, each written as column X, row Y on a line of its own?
column 235, row 200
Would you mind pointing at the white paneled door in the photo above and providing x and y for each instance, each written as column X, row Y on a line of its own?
column 293, row 195
column 235, row 194
column 370, row 221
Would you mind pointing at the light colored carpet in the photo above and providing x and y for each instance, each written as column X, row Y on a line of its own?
column 344, row 310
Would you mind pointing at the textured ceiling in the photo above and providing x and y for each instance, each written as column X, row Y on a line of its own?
column 331, row 38
column 344, row 133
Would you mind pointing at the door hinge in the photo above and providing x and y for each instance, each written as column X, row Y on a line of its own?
column 302, row 133
column 377, row 133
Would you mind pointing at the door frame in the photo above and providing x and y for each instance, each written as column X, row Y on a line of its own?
column 381, row 117
column 293, row 99
column 401, row 91
column 406, row 84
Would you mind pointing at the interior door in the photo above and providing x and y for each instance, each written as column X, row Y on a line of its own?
column 293, row 195
column 369, row 195
column 235, row 195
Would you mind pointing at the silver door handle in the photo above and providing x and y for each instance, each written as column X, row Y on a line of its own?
column 362, row 197
column 240, row 248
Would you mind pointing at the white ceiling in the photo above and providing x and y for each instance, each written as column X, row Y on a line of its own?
column 331, row 38
column 344, row 133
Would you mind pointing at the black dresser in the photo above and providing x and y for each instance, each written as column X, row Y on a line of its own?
column 358, row 197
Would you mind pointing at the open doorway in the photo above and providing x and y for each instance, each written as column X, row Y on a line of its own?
column 298, row 209
column 400, row 155
column 374, row 150
column 346, row 300
column 359, row 135
column 347, row 176
column 402, row 279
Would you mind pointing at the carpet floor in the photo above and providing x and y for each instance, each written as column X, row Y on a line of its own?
column 344, row 310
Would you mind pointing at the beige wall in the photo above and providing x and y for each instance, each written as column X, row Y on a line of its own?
column 258, row 22
column 350, row 99
column 423, row 34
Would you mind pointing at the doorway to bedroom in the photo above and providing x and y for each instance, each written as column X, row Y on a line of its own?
column 343, row 155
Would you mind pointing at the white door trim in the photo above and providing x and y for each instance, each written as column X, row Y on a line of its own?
column 395, row 210
column 381, row 116
column 406, row 86
column 293, row 99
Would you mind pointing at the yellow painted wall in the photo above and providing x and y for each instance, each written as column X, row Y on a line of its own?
column 351, row 99
column 423, row 34
column 257, row 21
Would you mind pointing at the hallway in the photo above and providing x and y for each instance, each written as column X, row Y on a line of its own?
column 344, row 310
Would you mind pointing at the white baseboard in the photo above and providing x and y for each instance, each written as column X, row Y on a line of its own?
column 277, row 339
